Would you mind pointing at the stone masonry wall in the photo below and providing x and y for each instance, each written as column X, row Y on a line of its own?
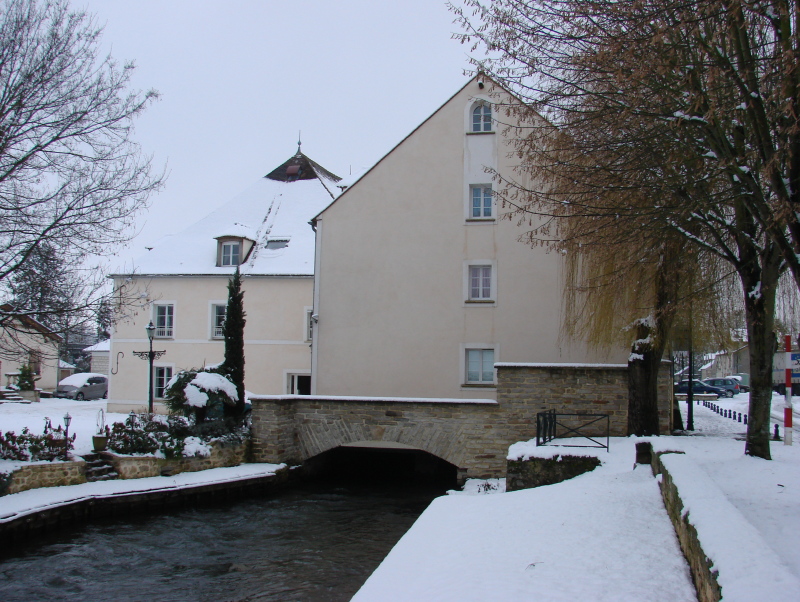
column 704, row 575
column 473, row 435
column 139, row 467
column 526, row 389
column 470, row 435
column 52, row 474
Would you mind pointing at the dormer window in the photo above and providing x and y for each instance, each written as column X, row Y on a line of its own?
column 232, row 250
column 482, row 117
column 230, row 253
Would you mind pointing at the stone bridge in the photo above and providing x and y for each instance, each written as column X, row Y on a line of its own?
column 473, row 435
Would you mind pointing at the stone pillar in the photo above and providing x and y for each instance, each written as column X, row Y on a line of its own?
column 274, row 432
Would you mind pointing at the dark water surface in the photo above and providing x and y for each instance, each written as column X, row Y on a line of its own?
column 314, row 542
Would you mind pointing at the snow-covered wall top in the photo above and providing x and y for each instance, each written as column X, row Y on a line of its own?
column 267, row 210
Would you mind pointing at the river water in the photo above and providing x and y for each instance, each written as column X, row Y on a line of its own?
column 314, row 542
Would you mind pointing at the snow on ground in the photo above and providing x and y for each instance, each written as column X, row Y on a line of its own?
column 601, row 536
column 15, row 416
column 605, row 535
column 26, row 502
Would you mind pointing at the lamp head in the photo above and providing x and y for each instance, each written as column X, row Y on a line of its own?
column 151, row 330
column 67, row 419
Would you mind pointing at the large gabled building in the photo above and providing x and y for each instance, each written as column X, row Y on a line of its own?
column 181, row 286
column 421, row 285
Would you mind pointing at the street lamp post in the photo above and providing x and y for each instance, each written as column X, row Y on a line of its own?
column 67, row 422
column 150, row 356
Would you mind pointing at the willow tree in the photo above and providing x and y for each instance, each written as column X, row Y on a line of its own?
column 658, row 105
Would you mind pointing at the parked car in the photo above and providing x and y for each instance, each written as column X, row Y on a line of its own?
column 86, row 385
column 698, row 386
column 729, row 384
column 744, row 381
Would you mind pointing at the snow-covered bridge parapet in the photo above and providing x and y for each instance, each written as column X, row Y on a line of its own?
column 471, row 434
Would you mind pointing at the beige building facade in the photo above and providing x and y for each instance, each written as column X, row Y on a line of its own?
column 181, row 286
column 26, row 342
column 421, row 285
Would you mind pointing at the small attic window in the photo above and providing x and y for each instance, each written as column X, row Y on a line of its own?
column 482, row 117
column 292, row 170
column 230, row 253
column 277, row 243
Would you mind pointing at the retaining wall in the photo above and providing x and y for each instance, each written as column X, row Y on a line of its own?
column 139, row 467
column 50, row 474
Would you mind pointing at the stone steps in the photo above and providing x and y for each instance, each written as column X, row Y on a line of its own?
column 98, row 469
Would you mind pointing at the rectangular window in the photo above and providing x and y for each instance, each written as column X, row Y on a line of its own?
column 231, row 252
column 309, row 324
column 481, row 205
column 218, row 320
column 162, row 375
column 165, row 320
column 480, row 282
column 299, row 384
column 480, row 366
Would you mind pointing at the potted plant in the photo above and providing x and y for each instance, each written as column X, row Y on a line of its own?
column 100, row 440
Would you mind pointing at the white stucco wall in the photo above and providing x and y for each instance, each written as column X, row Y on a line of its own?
column 392, row 258
column 275, row 343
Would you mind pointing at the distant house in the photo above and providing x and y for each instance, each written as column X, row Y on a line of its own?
column 28, row 342
column 421, row 285
column 181, row 286
column 99, row 354
column 65, row 369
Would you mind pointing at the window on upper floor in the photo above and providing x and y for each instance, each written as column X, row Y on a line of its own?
column 481, row 202
column 482, row 117
column 161, row 377
column 479, row 369
column 164, row 320
column 218, row 312
column 309, row 324
column 480, row 283
column 230, row 253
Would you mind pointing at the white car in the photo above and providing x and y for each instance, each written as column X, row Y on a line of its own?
column 86, row 385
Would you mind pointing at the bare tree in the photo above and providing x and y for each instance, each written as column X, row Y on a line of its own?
column 71, row 178
column 691, row 106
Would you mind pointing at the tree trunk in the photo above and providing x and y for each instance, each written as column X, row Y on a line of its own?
column 643, row 367
column 759, row 277
column 651, row 340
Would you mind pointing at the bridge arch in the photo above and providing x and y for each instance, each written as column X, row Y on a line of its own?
column 464, row 433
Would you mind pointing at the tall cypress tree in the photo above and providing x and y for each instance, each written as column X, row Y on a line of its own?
column 233, row 331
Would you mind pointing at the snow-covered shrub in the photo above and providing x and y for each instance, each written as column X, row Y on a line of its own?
column 27, row 447
column 201, row 394
column 169, row 436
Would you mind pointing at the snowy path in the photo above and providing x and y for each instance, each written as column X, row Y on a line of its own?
column 601, row 536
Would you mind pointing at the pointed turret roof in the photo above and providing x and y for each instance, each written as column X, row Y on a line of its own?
column 300, row 167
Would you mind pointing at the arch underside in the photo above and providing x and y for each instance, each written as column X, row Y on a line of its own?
column 445, row 441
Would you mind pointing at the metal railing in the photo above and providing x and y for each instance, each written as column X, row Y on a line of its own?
column 548, row 424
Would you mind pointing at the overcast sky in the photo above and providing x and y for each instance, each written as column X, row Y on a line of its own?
column 239, row 79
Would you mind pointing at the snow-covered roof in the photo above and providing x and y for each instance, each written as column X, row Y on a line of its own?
column 269, row 210
column 101, row 346
column 65, row 365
